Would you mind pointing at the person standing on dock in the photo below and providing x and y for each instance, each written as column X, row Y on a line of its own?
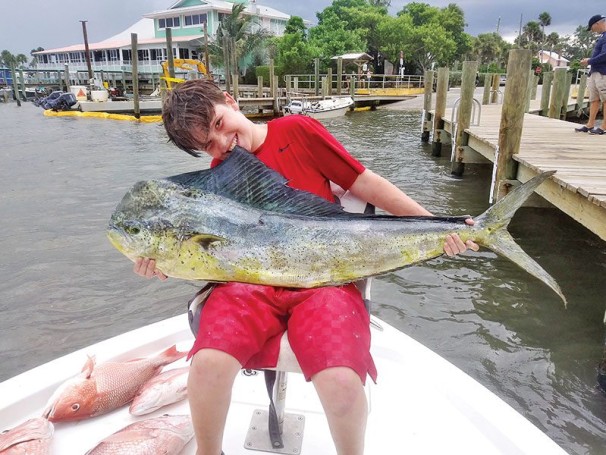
column 597, row 76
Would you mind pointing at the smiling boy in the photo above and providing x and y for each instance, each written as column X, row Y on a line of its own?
column 241, row 324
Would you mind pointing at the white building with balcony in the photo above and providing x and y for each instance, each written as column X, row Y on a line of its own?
column 186, row 19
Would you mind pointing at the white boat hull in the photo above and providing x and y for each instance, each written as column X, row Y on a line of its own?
column 322, row 109
column 422, row 404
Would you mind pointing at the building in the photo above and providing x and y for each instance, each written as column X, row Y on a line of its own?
column 186, row 19
column 554, row 59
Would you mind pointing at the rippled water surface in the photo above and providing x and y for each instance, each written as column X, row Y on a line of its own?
column 63, row 286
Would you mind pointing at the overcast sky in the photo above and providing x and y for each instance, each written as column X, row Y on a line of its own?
column 55, row 23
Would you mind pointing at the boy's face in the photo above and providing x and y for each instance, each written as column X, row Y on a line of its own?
column 228, row 128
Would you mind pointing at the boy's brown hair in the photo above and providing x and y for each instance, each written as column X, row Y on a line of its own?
column 188, row 111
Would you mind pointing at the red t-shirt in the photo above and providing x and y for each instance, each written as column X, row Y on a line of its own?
column 307, row 155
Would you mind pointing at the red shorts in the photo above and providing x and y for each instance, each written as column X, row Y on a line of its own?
column 327, row 327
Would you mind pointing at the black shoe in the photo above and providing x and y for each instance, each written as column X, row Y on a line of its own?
column 596, row 130
column 582, row 129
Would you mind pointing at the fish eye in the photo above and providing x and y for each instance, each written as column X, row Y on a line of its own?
column 75, row 407
column 132, row 230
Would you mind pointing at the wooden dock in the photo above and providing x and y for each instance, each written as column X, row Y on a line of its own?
column 579, row 186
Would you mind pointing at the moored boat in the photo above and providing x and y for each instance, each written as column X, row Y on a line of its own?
column 321, row 109
column 421, row 404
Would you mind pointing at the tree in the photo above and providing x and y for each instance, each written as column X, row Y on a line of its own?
column 334, row 37
column 380, row 3
column 544, row 21
column 490, row 48
column 34, row 62
column 293, row 52
column 295, row 25
column 236, row 40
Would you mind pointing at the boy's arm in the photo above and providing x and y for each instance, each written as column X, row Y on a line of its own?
column 380, row 192
column 383, row 194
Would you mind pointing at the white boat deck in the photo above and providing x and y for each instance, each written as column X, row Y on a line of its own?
column 422, row 404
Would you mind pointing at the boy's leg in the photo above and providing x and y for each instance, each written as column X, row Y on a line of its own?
column 330, row 335
column 211, row 378
column 344, row 401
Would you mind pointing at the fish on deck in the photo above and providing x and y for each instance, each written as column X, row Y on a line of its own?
column 165, row 435
column 166, row 388
column 104, row 387
column 32, row 437
column 241, row 222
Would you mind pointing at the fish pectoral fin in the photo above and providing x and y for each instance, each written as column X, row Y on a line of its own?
column 207, row 240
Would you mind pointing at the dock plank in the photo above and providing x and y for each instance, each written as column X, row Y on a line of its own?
column 579, row 186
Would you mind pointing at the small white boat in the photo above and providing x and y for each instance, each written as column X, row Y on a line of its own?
column 321, row 109
column 421, row 404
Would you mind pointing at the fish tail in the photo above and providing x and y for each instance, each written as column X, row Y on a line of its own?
column 495, row 221
column 171, row 355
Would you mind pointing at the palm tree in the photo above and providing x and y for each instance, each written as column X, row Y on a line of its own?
column 236, row 39
column 544, row 21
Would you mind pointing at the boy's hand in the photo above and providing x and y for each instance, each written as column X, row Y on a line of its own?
column 147, row 267
column 454, row 245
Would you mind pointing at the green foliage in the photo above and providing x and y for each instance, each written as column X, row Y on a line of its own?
column 295, row 25
column 334, row 37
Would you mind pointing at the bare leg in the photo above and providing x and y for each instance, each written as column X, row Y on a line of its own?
column 594, row 106
column 211, row 378
column 603, row 116
column 342, row 395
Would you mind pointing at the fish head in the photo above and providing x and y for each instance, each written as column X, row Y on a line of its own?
column 75, row 399
column 145, row 222
column 30, row 430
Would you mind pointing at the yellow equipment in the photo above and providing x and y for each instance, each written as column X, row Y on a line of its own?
column 185, row 64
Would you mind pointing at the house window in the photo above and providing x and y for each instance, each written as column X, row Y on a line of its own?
column 194, row 19
column 113, row 55
column 169, row 22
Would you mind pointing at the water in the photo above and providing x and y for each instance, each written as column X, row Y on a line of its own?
column 63, row 286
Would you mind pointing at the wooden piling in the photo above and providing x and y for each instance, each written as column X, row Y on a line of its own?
column 468, row 85
column 557, row 95
column 169, row 53
column 135, row 73
column 66, row 76
column 512, row 120
column 428, row 81
column 566, row 96
column 15, row 86
column 329, row 82
column 260, row 91
column 487, row 87
column 438, row 120
column 339, row 75
column 581, row 93
column 535, row 86
column 317, row 75
column 22, row 83
column 496, row 83
column 275, row 93
column 546, row 93
column 235, row 86
column 529, row 90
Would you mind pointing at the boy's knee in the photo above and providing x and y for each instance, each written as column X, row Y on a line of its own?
column 341, row 387
column 212, row 366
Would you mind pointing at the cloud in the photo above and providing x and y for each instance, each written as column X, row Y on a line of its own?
column 56, row 23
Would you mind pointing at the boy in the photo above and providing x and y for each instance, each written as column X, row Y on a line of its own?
column 241, row 324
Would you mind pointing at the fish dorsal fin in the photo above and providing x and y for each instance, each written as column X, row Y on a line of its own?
column 89, row 366
column 243, row 178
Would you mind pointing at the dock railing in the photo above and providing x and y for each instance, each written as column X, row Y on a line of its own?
column 329, row 84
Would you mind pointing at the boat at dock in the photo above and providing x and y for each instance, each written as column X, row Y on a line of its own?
column 421, row 403
column 320, row 109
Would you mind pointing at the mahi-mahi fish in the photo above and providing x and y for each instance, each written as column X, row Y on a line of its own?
column 241, row 222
